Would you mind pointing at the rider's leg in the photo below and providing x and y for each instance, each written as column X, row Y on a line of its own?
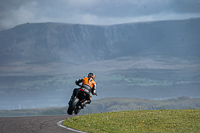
column 87, row 101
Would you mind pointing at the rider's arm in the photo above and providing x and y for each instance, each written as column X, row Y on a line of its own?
column 78, row 81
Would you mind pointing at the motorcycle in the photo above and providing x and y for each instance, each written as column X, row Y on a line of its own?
column 75, row 105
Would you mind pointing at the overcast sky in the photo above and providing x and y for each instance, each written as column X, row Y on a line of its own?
column 98, row 12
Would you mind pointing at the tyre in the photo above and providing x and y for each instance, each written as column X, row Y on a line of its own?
column 73, row 106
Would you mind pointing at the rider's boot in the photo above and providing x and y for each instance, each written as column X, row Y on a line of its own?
column 84, row 103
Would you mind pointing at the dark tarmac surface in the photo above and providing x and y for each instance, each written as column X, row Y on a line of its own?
column 33, row 124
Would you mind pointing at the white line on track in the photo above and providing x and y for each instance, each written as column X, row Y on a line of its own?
column 60, row 124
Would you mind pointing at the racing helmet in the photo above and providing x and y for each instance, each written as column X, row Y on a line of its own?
column 91, row 75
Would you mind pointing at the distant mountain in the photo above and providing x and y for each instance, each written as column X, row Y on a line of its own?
column 80, row 43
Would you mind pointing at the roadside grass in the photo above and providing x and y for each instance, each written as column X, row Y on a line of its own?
column 150, row 121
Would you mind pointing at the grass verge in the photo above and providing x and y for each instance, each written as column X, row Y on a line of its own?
column 156, row 121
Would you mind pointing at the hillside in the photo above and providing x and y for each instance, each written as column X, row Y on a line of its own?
column 112, row 104
column 120, row 104
column 79, row 43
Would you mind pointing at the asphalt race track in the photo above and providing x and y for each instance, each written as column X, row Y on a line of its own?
column 33, row 124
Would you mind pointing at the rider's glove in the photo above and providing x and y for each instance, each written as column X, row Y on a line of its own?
column 94, row 92
column 78, row 81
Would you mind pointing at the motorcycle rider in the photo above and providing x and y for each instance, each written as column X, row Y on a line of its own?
column 88, row 85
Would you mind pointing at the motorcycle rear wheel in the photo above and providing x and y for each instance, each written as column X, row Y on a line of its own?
column 73, row 106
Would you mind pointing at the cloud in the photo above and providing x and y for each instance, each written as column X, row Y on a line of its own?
column 16, row 13
column 103, row 12
column 186, row 6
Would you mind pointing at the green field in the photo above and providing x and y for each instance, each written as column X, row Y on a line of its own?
column 150, row 121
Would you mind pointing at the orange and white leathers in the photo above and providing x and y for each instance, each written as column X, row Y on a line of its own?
column 87, row 83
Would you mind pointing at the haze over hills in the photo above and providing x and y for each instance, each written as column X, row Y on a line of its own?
column 39, row 62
